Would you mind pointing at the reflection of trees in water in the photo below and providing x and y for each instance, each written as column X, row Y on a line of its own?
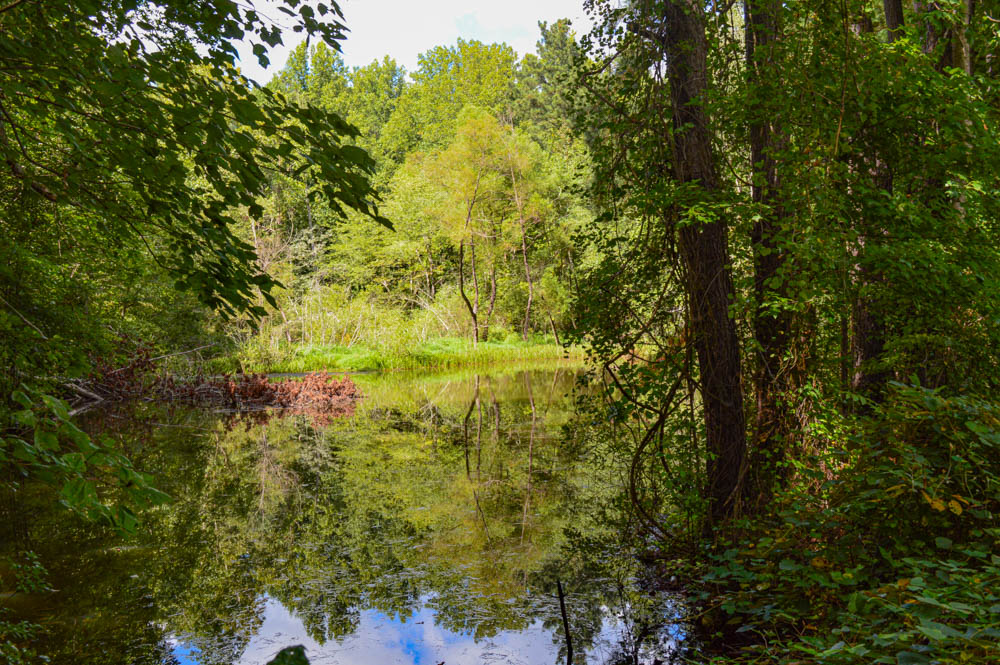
column 460, row 495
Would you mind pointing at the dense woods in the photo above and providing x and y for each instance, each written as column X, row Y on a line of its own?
column 800, row 261
column 771, row 228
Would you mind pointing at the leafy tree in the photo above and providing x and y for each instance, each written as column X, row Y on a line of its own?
column 788, row 213
column 447, row 80
column 129, row 122
column 375, row 90
column 546, row 92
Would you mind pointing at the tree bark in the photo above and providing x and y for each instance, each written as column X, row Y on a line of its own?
column 527, row 275
column 461, row 289
column 524, row 251
column 704, row 256
column 963, row 48
column 893, row 18
column 475, row 280
column 493, row 302
column 933, row 36
column 473, row 310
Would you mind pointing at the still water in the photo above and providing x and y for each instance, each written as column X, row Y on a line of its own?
column 428, row 527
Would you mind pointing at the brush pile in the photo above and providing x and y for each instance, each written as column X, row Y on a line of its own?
column 251, row 392
column 317, row 394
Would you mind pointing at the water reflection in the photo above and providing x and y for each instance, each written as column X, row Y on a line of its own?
column 428, row 527
column 381, row 638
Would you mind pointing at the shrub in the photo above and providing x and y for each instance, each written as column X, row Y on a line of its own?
column 893, row 560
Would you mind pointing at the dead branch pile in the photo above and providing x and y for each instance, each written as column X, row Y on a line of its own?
column 316, row 394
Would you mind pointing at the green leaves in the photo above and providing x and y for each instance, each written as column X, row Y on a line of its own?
column 94, row 479
column 876, row 566
column 192, row 142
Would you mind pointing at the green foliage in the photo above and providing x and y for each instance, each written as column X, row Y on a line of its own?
column 93, row 477
column 855, row 173
column 891, row 561
column 29, row 576
column 477, row 191
column 447, row 80
column 547, row 97
column 171, row 164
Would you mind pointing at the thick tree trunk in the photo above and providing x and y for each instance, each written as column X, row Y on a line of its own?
column 704, row 255
column 893, row 18
column 868, row 343
column 933, row 36
column 962, row 47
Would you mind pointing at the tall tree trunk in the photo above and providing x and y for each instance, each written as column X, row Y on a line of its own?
column 473, row 310
column 962, row 48
column 705, row 257
column 527, row 275
column 868, row 328
column 461, row 290
column 430, row 270
column 475, row 280
column 868, row 341
column 933, row 36
column 773, row 381
column 524, row 251
column 555, row 332
column 893, row 18
column 493, row 301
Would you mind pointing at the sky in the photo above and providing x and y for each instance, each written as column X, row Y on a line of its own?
column 404, row 28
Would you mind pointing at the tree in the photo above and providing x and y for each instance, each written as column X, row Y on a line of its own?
column 546, row 98
column 131, row 144
column 134, row 113
column 371, row 100
column 713, row 124
column 447, row 80
column 687, row 198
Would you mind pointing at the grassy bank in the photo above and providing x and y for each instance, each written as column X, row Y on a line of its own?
column 440, row 353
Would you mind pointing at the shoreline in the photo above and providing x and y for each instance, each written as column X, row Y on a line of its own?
column 435, row 355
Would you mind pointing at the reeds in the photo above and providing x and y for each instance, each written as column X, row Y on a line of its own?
column 439, row 353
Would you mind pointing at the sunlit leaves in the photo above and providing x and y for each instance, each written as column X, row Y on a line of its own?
column 162, row 141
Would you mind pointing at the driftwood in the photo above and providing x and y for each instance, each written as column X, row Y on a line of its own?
column 83, row 392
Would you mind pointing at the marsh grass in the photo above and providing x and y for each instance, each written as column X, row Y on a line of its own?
column 438, row 353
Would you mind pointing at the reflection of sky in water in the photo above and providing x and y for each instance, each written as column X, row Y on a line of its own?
column 382, row 639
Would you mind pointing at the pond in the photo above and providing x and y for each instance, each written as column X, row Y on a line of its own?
column 430, row 526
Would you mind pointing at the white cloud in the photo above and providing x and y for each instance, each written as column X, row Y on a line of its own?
column 388, row 640
column 403, row 29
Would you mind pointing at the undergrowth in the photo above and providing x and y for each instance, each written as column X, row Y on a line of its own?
column 890, row 557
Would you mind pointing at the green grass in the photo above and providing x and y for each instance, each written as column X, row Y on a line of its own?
column 440, row 353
